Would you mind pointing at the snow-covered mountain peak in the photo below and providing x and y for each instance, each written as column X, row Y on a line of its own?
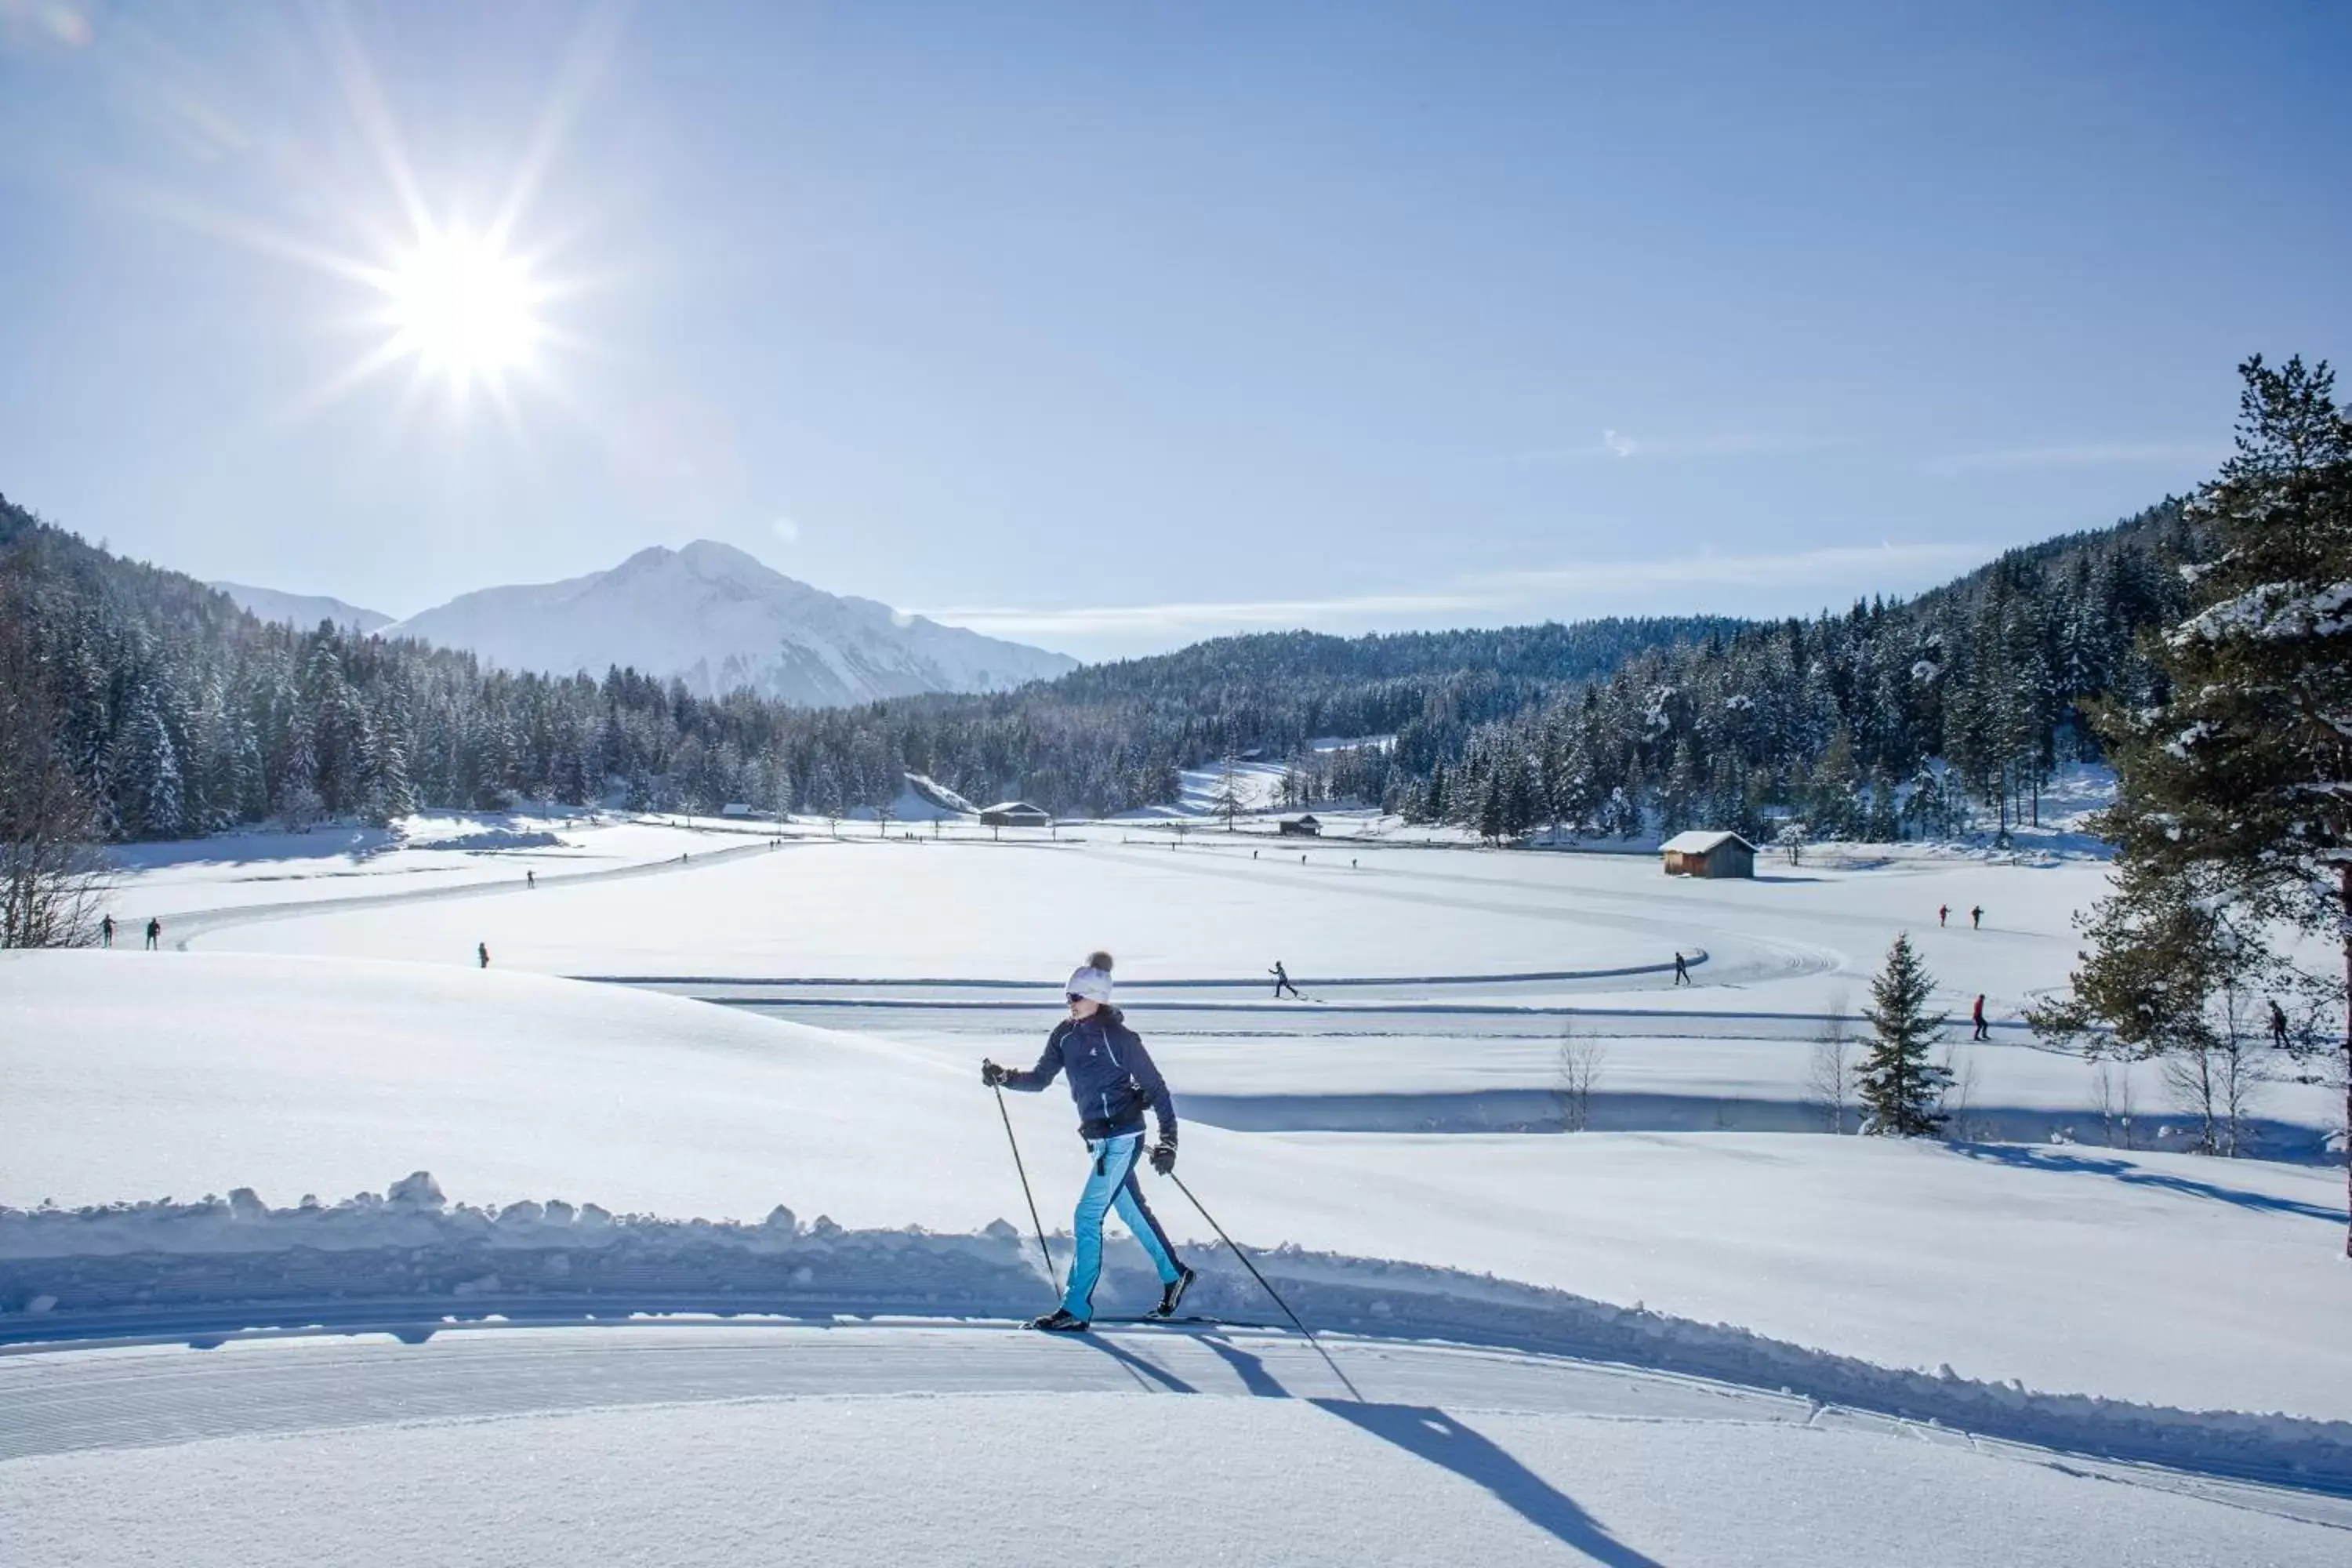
column 712, row 559
column 719, row 618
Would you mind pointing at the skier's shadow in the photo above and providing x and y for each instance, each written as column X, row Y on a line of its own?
column 1145, row 1373
column 1428, row 1433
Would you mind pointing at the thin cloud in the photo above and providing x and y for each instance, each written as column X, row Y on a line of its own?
column 1600, row 587
column 2081, row 455
column 1096, row 619
column 1831, row 563
column 1619, row 445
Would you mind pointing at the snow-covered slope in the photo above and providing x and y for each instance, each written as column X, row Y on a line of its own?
column 304, row 610
column 720, row 620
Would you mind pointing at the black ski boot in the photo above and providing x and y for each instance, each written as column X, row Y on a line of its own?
column 1171, row 1295
column 1060, row 1321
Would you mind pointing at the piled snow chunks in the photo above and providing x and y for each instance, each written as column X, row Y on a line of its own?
column 417, row 1190
column 410, row 1242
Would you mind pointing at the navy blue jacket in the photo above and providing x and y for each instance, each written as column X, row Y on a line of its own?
column 1112, row 1077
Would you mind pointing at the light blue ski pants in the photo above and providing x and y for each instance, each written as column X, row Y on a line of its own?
column 1111, row 1182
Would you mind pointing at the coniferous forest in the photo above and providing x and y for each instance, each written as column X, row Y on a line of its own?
column 1895, row 720
column 176, row 713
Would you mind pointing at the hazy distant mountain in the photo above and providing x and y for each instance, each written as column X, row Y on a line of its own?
column 304, row 610
column 721, row 620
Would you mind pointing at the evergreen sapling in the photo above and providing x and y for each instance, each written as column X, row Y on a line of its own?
column 1901, row 1089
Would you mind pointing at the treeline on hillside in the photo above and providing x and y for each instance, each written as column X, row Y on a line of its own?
column 180, row 714
column 1889, row 721
column 177, row 714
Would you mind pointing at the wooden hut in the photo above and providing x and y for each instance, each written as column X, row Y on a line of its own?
column 1303, row 826
column 1014, row 814
column 1703, row 854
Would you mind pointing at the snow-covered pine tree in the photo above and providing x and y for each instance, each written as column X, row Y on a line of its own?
column 776, row 790
column 1678, row 797
column 1491, row 809
column 1227, row 801
column 388, row 794
column 825, row 796
column 151, row 761
column 1899, row 1086
column 2244, row 778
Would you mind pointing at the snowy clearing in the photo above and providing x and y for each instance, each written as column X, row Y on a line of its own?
column 1438, row 978
column 1702, row 1288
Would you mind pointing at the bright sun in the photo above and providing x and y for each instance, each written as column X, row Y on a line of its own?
column 464, row 311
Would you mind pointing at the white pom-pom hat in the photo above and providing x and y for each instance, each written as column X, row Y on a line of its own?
column 1091, row 979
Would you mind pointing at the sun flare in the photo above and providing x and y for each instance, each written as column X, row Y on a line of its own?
column 463, row 309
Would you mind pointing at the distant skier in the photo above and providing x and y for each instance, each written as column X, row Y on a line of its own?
column 106, row 931
column 2278, row 1024
column 154, row 932
column 531, row 879
column 1976, row 918
column 1282, row 980
column 1943, row 914
column 1682, row 969
column 1112, row 1080
column 482, row 952
column 1976, row 1016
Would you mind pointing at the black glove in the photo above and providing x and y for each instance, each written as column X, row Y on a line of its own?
column 1163, row 1157
column 992, row 1075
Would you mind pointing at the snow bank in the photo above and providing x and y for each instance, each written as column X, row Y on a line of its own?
column 407, row 1256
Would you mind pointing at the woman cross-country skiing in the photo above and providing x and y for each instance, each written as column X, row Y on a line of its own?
column 1112, row 1078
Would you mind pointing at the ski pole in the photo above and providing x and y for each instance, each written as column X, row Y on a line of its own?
column 1036, row 1224
column 1234, row 1247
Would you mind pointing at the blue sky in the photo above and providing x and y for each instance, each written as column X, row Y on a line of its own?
column 1110, row 327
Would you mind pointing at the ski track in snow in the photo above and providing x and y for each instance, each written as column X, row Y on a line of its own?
column 99, row 1402
column 186, row 928
column 694, row 1443
column 155, row 1272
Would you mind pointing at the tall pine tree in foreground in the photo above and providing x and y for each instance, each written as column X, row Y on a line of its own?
column 2241, row 782
column 1900, row 1087
column 2174, row 973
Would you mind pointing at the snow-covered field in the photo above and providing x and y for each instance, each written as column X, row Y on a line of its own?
column 1437, row 981
column 428, row 854
column 2003, row 1288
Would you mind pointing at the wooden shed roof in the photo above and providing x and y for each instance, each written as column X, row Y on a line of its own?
column 1699, row 841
